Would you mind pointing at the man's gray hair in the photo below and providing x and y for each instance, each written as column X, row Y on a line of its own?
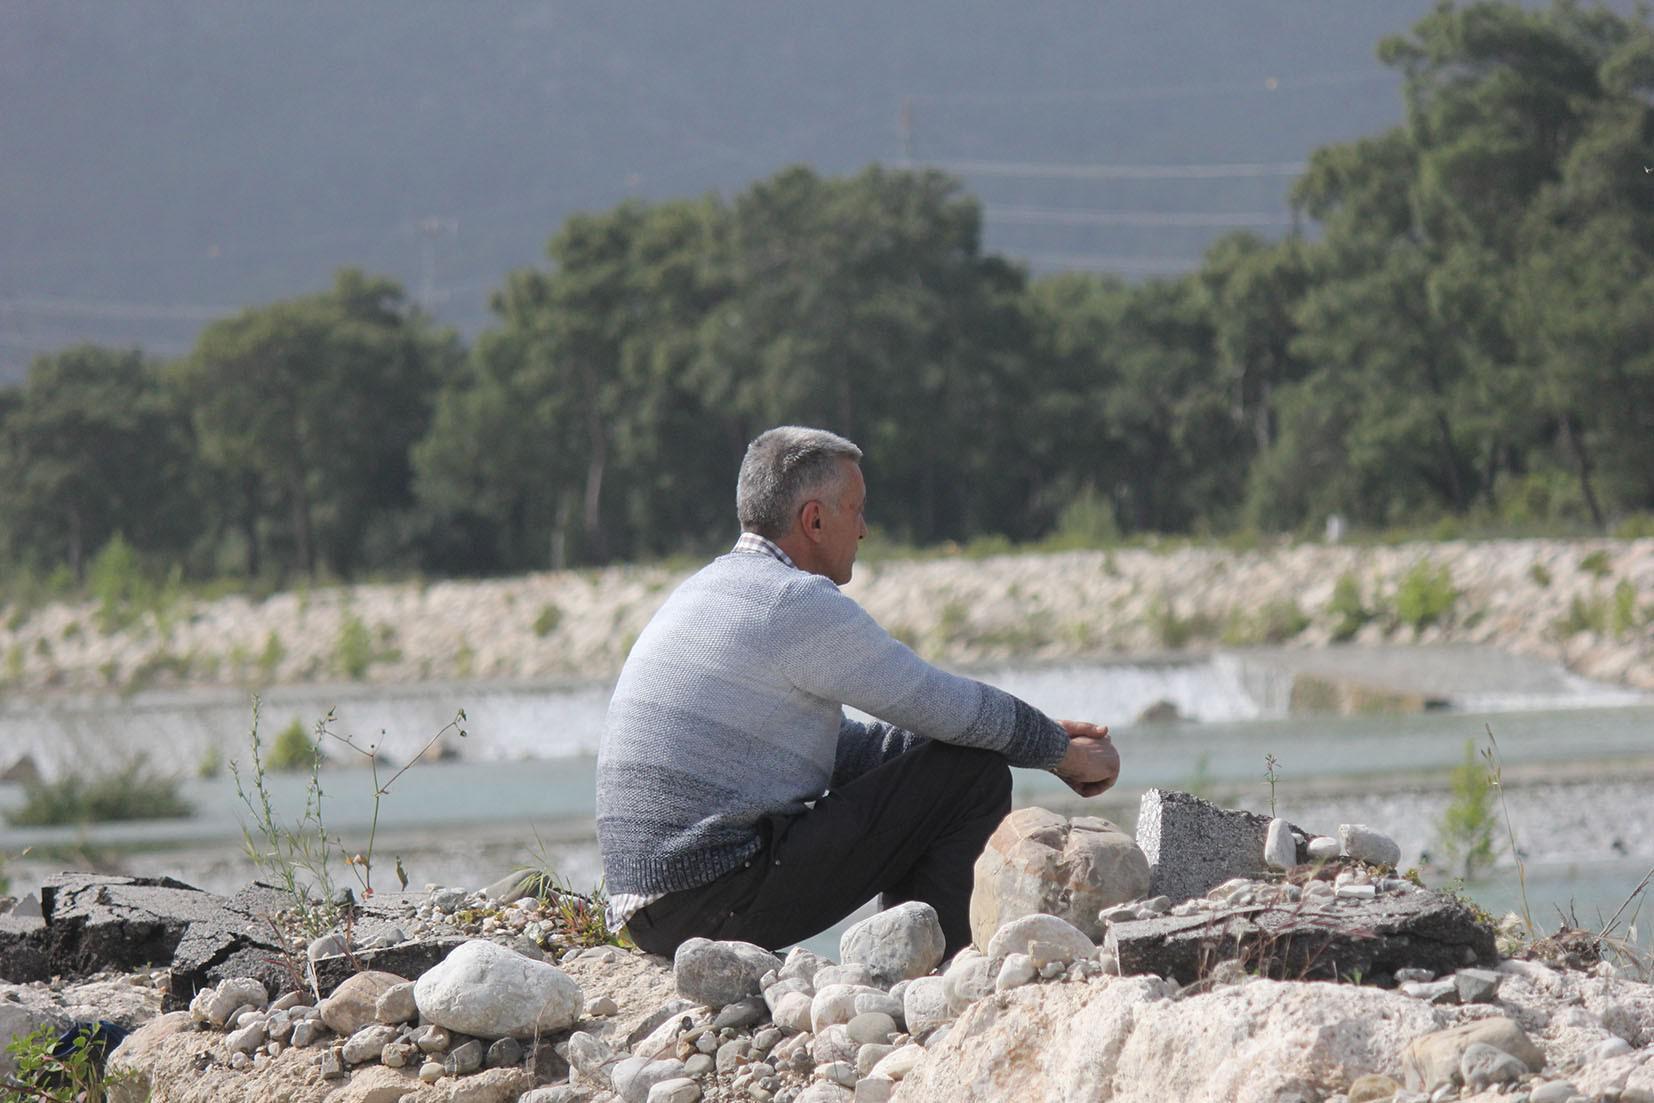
column 784, row 468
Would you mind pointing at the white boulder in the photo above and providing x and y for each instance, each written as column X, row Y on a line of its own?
column 490, row 992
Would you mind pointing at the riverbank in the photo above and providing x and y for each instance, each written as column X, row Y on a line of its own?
column 1584, row 604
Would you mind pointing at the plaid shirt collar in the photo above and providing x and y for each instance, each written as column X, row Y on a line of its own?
column 752, row 542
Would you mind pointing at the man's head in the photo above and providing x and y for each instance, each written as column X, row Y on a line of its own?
column 803, row 489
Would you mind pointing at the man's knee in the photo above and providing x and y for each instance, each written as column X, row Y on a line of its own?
column 985, row 775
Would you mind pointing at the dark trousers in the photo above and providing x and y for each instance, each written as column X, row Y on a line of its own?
column 911, row 829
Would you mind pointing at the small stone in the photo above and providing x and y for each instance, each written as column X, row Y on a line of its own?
column 1280, row 849
column 1609, row 1048
column 1020, row 935
column 1553, row 1091
column 1362, row 843
column 1051, row 970
column 400, row 1055
column 740, row 1014
column 447, row 899
column 1357, row 892
column 1442, row 991
column 792, row 1013
column 1414, row 976
column 503, row 1054
column 897, row 944
column 1482, row 1066
column 898, row 1064
column 707, row 1042
column 430, row 1072
column 869, row 1055
column 247, row 1038
column 677, row 1090
column 1477, row 985
column 635, row 1076
column 1323, row 848
column 354, row 1003
column 306, row 1032
column 601, row 1007
column 1118, row 913
column 838, row 1072
column 368, row 1043
column 1017, row 971
column 463, row 1060
column 802, row 964
column 240, row 1062
column 871, row 1027
column 874, row 1089
column 332, row 1063
column 851, row 972
column 699, row 1065
column 488, row 991
column 328, row 945
column 765, row 1039
column 925, row 1006
column 1372, row 1088
column 396, row 1004
column 231, row 997
column 432, row 1039
column 731, row 1054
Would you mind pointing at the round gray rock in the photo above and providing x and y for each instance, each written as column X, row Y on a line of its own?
column 490, row 992
column 721, row 973
column 897, row 944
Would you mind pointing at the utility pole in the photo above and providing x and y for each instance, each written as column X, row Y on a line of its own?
column 430, row 229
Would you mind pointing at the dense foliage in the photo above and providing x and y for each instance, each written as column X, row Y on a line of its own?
column 1464, row 330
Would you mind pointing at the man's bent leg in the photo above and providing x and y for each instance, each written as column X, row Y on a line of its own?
column 911, row 829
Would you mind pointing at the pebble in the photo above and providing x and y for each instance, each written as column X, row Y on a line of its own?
column 766, row 1038
column 1280, row 850
column 1477, row 985
column 1482, row 1066
column 1357, row 892
column 699, row 1065
column 1554, row 1091
column 430, row 1072
column 1017, row 971
column 1418, row 976
column 399, row 1055
column 1609, row 1048
column 1362, row 843
column 871, row 1027
column 332, row 1063
column 679, row 1089
column 368, row 1043
column 240, row 1062
column 870, row 1055
column 247, row 1038
column 463, row 1060
column 874, row 1089
column 601, row 1007
column 839, row 1072
column 306, row 1032
column 1323, row 848
column 504, row 1053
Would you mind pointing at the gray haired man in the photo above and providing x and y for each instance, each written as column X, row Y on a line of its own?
column 736, row 800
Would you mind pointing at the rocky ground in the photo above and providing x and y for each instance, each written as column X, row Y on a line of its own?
column 1104, row 968
column 1582, row 603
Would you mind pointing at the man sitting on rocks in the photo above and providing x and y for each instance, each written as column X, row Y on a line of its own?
column 736, row 800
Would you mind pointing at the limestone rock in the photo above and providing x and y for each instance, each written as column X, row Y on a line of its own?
column 925, row 1006
column 897, row 944
column 719, row 973
column 490, row 992
column 1280, row 849
column 1433, row 1060
column 1037, row 862
column 1361, row 842
column 1059, row 940
column 396, row 1004
column 1124, row 1040
column 354, row 1004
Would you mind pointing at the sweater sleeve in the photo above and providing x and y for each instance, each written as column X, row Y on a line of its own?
column 832, row 649
column 863, row 746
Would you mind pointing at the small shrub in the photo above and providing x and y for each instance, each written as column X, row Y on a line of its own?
column 354, row 649
column 1596, row 564
column 1625, row 617
column 1087, row 521
column 1638, row 526
column 293, row 750
column 1279, row 621
column 210, row 764
column 1584, row 615
column 1175, row 632
column 71, row 631
column 62, row 1070
column 269, row 659
column 465, row 659
column 16, row 657
column 1465, row 833
column 133, row 792
column 156, row 666
column 1426, row 596
column 1540, row 574
column 546, row 622
column 1349, row 615
column 952, row 621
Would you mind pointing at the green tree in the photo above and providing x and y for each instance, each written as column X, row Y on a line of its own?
column 310, row 407
column 93, row 447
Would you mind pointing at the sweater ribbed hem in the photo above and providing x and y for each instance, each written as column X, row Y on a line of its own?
column 648, row 875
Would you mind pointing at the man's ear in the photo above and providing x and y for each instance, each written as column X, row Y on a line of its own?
column 809, row 519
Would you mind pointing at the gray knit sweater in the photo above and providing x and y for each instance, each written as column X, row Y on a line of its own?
column 730, row 707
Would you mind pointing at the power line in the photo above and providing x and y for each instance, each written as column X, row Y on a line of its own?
column 1056, row 171
column 1046, row 216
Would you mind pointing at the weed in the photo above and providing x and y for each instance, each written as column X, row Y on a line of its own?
column 361, row 862
column 1540, row 574
column 293, row 750
column 131, row 792
column 1596, row 564
column 1496, row 777
column 952, row 620
column 546, row 622
column 465, row 659
column 1279, row 621
column 156, row 666
column 1173, row 631
column 1271, row 775
column 16, row 657
column 1584, row 615
column 1465, row 833
column 1426, row 596
column 62, row 1069
column 71, row 631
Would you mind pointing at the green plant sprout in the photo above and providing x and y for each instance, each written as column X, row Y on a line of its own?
column 1495, row 778
column 1271, row 775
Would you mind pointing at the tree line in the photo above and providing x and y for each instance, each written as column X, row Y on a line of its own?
column 1465, row 329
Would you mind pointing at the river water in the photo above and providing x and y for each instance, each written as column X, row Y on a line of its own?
column 1577, row 759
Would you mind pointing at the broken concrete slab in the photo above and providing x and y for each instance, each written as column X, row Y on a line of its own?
column 1307, row 940
column 1193, row 845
